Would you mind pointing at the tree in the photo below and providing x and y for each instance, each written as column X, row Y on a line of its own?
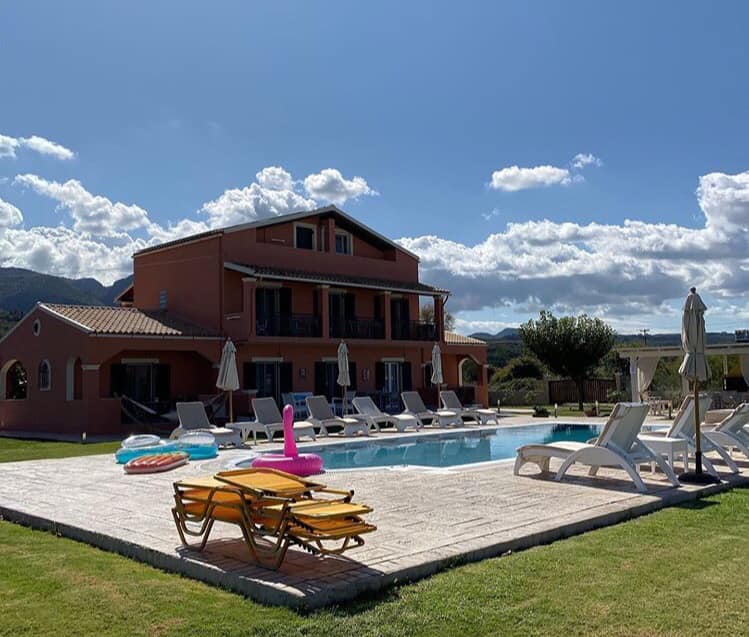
column 569, row 346
column 426, row 314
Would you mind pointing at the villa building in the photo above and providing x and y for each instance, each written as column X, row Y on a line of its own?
column 286, row 290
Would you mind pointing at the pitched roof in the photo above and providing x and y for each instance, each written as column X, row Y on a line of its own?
column 451, row 338
column 126, row 321
column 284, row 274
column 325, row 211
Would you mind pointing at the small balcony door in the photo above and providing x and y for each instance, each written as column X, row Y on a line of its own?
column 342, row 308
column 270, row 379
column 273, row 311
column 146, row 383
column 400, row 316
column 392, row 378
column 326, row 379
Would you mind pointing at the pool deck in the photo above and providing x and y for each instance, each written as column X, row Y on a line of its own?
column 427, row 519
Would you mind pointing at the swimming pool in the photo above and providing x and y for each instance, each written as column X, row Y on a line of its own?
column 446, row 449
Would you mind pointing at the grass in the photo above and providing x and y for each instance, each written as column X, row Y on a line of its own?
column 567, row 409
column 12, row 449
column 681, row 571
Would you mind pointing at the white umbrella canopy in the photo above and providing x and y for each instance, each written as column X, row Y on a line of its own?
column 437, row 377
column 694, row 367
column 344, row 378
column 228, row 376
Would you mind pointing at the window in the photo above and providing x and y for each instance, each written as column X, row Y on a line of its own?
column 343, row 243
column 45, row 376
column 163, row 299
column 305, row 236
column 36, row 327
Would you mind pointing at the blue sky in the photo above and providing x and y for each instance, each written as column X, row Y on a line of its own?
column 167, row 106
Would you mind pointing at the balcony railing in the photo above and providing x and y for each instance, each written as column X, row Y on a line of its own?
column 301, row 325
column 414, row 331
column 357, row 328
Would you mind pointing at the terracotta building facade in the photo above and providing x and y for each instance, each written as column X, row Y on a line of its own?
column 286, row 290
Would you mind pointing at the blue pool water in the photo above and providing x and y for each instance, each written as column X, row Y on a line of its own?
column 448, row 450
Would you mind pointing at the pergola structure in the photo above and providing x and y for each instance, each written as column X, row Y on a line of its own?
column 644, row 360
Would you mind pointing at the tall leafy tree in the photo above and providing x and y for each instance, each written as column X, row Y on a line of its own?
column 570, row 346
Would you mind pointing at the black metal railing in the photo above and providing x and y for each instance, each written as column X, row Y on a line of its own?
column 414, row 331
column 357, row 328
column 301, row 325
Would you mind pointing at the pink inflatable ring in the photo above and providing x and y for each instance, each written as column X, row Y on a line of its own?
column 291, row 461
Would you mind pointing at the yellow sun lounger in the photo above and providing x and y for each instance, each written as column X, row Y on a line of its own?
column 273, row 510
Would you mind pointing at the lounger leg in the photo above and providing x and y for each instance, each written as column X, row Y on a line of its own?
column 708, row 445
column 667, row 468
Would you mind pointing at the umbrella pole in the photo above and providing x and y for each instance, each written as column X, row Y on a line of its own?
column 698, row 442
column 231, row 406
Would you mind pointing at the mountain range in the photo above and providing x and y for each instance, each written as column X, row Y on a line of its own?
column 21, row 289
column 512, row 335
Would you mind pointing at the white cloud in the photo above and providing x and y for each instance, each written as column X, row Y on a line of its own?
column 91, row 213
column 274, row 192
column 514, row 178
column 627, row 270
column 9, row 146
column 330, row 186
column 488, row 216
column 9, row 215
column 65, row 252
column 581, row 160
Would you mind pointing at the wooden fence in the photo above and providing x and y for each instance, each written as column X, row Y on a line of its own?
column 565, row 391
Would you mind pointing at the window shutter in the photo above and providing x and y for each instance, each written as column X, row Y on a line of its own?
column 352, row 374
column 162, row 382
column 286, row 377
column 319, row 378
column 250, row 376
column 284, row 301
column 407, row 383
column 117, row 380
column 350, row 306
column 378, row 307
column 379, row 376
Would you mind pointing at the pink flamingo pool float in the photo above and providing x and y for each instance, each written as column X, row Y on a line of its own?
column 298, row 464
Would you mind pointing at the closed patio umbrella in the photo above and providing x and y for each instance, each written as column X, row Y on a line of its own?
column 694, row 367
column 228, row 377
column 437, row 377
column 344, row 378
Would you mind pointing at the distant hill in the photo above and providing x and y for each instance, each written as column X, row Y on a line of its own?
column 21, row 289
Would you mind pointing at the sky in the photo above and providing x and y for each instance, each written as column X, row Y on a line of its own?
column 564, row 155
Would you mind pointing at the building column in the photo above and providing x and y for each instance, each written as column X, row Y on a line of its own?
column 325, row 311
column 387, row 316
column 329, row 229
column 633, row 377
column 439, row 317
column 249, row 285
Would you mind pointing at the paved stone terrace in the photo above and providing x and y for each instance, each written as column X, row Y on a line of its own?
column 426, row 518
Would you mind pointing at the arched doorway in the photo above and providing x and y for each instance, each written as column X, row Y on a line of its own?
column 14, row 381
column 74, row 379
column 468, row 372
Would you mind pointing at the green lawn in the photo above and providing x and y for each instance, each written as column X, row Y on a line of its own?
column 12, row 449
column 681, row 571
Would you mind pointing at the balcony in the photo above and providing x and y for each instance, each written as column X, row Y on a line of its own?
column 357, row 328
column 414, row 331
column 298, row 325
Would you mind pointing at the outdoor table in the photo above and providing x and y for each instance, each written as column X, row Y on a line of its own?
column 672, row 448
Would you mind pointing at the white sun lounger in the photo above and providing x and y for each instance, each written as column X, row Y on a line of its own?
column 616, row 446
column 322, row 416
column 268, row 420
column 683, row 427
column 731, row 431
column 415, row 407
column 451, row 401
column 371, row 414
column 192, row 417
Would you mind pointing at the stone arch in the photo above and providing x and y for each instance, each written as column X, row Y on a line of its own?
column 14, row 381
